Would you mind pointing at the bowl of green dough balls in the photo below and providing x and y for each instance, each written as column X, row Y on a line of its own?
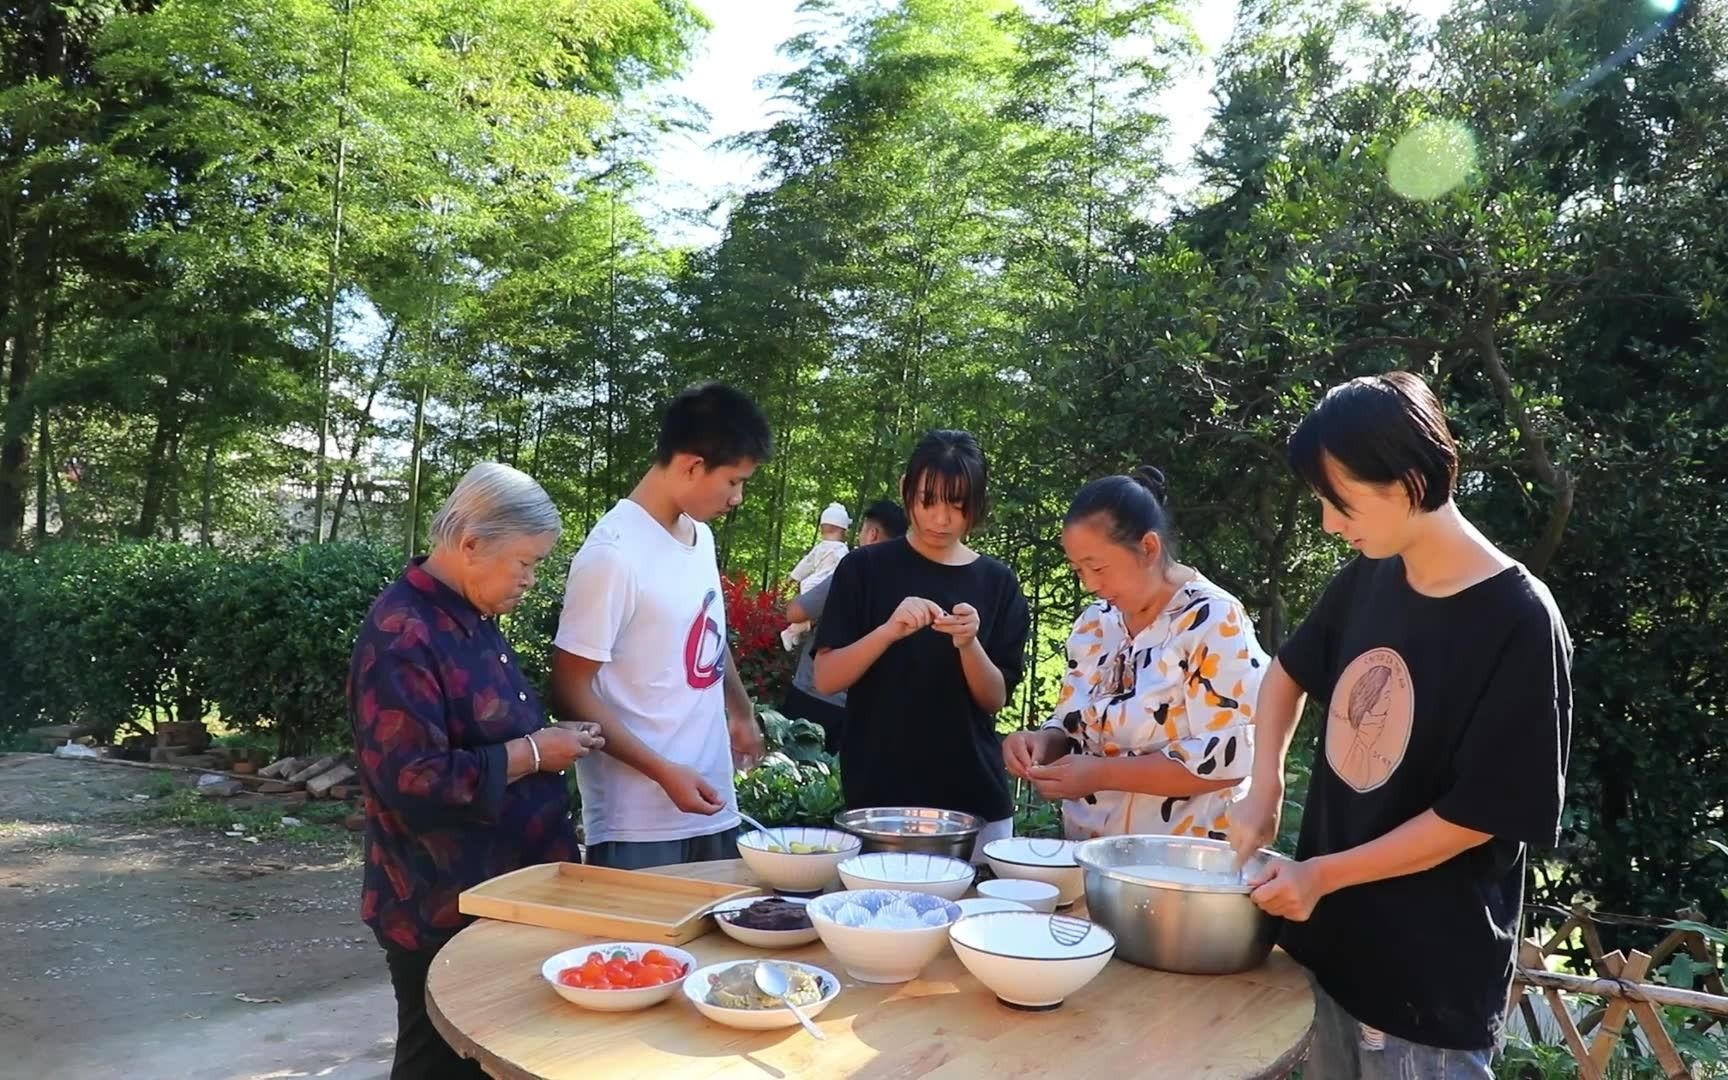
column 797, row 858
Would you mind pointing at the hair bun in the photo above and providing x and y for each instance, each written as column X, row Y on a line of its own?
column 1152, row 479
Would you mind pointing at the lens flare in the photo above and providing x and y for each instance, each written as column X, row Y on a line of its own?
column 1431, row 159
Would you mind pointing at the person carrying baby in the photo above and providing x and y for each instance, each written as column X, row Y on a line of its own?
column 818, row 564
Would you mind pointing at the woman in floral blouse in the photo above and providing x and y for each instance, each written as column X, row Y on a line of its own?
column 463, row 778
column 1153, row 730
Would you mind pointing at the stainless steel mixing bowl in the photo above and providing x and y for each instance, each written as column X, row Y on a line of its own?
column 1195, row 927
column 912, row 828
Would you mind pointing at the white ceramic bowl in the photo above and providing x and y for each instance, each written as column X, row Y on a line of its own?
column 697, row 985
column 1021, row 957
column 1034, row 895
column 614, row 1000
column 786, row 871
column 1050, row 861
column 983, row 905
column 909, row 871
column 876, row 954
column 761, row 939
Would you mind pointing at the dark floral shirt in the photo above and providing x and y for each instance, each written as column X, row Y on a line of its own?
column 434, row 693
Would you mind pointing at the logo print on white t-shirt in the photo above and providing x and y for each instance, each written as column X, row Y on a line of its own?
column 705, row 648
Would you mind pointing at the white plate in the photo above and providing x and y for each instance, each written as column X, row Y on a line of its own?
column 697, row 984
column 763, row 939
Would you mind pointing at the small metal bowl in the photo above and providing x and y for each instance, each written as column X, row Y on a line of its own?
column 913, row 828
column 1195, row 926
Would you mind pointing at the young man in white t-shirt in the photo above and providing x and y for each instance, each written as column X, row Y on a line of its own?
column 642, row 648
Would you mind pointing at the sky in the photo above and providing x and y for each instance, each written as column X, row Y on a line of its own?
column 693, row 173
column 742, row 49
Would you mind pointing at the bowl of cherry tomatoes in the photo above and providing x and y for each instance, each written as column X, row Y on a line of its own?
column 618, row 976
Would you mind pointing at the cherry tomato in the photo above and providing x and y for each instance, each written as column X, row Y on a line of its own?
column 618, row 973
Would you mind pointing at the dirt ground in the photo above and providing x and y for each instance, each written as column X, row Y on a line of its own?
column 130, row 946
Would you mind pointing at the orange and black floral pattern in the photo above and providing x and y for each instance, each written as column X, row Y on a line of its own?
column 1184, row 687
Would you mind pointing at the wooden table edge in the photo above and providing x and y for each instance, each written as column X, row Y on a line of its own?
column 495, row 1066
column 500, row 1069
column 1287, row 1062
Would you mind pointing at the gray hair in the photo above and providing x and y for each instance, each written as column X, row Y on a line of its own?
column 491, row 502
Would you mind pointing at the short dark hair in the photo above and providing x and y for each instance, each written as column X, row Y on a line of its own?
column 950, row 465
column 1133, row 505
column 719, row 424
column 887, row 514
column 1380, row 429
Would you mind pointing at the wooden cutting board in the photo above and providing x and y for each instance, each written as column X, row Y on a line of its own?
column 627, row 905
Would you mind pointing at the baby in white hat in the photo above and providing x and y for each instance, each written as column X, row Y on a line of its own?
column 818, row 563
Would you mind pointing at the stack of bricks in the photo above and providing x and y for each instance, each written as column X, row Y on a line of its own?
column 183, row 742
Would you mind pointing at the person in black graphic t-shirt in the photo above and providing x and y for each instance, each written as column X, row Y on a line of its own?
column 1445, row 669
column 928, row 638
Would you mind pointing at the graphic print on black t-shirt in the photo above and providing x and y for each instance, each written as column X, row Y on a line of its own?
column 1457, row 705
column 1368, row 724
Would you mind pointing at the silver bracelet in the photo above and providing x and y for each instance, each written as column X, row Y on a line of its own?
column 534, row 746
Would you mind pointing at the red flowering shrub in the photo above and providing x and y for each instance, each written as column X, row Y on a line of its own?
column 754, row 621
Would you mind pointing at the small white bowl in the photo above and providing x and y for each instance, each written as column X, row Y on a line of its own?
column 1035, row 895
column 984, row 905
column 909, row 871
column 762, row 939
column 1032, row 859
column 698, row 983
column 1027, row 960
column 875, row 954
column 787, row 871
column 614, row 1000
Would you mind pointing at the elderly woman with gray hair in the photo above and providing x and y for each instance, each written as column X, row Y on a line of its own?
column 463, row 777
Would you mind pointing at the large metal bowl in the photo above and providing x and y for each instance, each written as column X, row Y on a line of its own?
column 1198, row 928
column 912, row 828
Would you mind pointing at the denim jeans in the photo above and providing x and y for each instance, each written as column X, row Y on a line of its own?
column 1343, row 1049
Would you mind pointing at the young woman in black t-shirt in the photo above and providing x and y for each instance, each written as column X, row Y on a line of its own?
column 928, row 639
column 1445, row 668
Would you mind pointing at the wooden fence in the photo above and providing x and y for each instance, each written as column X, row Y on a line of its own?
column 1623, row 980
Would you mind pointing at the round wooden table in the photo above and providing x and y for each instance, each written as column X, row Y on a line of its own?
column 486, row 996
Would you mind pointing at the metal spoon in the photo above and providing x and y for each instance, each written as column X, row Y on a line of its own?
column 772, row 979
column 767, row 837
